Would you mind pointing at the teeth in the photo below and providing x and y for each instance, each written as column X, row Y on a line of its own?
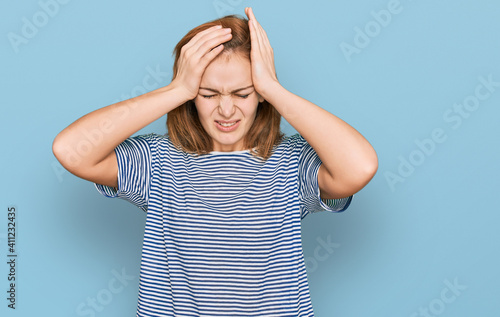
column 226, row 124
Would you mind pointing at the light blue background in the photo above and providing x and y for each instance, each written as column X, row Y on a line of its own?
column 391, row 252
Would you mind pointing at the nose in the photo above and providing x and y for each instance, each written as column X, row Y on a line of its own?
column 226, row 106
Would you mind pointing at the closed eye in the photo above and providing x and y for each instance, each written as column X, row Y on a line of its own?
column 237, row 95
column 208, row 96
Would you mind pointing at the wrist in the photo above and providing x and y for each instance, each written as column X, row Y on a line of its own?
column 270, row 90
column 180, row 91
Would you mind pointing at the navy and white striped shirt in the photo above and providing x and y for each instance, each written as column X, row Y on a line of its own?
column 223, row 230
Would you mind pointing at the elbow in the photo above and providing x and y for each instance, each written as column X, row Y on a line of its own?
column 63, row 154
column 368, row 169
column 353, row 178
column 371, row 166
column 56, row 148
column 363, row 175
column 59, row 149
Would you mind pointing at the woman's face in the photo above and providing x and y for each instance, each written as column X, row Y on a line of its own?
column 226, row 93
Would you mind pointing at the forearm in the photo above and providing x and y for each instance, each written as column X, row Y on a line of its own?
column 345, row 153
column 91, row 138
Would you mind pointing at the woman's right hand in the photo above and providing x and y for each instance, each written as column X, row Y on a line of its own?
column 195, row 57
column 86, row 147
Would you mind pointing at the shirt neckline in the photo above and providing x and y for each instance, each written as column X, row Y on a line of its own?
column 231, row 152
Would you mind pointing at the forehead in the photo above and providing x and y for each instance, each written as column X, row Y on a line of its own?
column 227, row 72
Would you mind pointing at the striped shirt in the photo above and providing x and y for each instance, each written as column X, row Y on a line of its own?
column 223, row 230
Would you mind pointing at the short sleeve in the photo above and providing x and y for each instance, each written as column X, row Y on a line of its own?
column 134, row 171
column 309, row 193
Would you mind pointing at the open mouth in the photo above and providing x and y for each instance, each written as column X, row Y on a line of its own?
column 227, row 124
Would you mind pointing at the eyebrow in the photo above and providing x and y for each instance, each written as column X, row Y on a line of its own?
column 234, row 91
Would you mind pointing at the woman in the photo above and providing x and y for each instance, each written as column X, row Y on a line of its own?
column 224, row 191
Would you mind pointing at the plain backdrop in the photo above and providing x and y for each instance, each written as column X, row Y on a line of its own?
column 419, row 79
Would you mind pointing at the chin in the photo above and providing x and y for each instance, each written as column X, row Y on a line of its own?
column 226, row 139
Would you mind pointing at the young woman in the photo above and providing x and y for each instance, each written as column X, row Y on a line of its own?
column 224, row 191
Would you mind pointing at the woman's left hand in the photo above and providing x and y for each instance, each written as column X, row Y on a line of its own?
column 261, row 55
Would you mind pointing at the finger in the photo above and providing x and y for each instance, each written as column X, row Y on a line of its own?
column 263, row 40
column 204, row 46
column 259, row 31
column 256, row 23
column 250, row 14
column 194, row 45
column 210, row 43
column 211, row 55
column 200, row 34
column 254, row 34
column 203, row 35
column 207, row 51
column 259, row 43
column 251, row 17
column 254, row 41
column 262, row 35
